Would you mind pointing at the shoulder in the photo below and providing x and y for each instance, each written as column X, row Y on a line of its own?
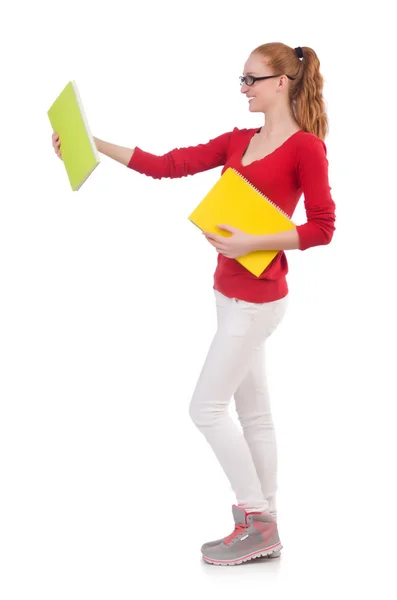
column 310, row 151
column 236, row 134
column 309, row 143
column 240, row 135
column 244, row 132
column 310, row 155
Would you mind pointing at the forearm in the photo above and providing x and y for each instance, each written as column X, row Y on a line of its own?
column 287, row 240
column 119, row 153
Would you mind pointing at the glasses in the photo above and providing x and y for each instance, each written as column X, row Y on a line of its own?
column 249, row 80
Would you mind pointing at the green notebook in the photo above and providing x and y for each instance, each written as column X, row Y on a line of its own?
column 68, row 119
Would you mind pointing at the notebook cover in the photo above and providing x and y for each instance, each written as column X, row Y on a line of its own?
column 68, row 119
column 235, row 201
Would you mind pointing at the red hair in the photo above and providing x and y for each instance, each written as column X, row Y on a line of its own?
column 305, row 93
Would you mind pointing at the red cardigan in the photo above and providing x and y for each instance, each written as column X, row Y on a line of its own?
column 298, row 165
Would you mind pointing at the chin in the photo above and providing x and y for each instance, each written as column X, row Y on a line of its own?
column 255, row 109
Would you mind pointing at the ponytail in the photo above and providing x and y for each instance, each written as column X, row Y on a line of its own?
column 306, row 90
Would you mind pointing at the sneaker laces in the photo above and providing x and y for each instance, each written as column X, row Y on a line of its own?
column 240, row 528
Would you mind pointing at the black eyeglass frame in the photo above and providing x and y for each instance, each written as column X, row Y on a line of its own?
column 253, row 79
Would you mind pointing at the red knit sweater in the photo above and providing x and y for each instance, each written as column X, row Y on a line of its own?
column 298, row 166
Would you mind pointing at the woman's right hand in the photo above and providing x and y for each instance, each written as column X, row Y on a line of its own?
column 56, row 145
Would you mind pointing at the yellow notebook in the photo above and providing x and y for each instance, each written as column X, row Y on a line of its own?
column 235, row 201
column 79, row 153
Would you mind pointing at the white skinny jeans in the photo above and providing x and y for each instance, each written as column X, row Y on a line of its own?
column 235, row 365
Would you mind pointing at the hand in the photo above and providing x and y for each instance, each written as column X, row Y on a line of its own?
column 234, row 246
column 56, row 144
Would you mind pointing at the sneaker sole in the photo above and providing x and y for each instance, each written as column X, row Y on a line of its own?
column 206, row 547
column 266, row 552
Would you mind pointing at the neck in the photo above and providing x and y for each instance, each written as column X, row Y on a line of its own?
column 278, row 122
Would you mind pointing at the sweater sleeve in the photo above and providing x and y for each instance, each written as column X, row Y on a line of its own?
column 319, row 205
column 181, row 162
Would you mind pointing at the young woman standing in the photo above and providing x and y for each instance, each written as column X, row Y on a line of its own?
column 283, row 159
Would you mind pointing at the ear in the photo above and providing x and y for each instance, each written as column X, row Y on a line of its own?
column 282, row 83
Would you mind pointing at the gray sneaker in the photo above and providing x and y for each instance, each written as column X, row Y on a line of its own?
column 254, row 536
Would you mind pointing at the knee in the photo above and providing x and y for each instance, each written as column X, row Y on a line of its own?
column 197, row 414
column 202, row 416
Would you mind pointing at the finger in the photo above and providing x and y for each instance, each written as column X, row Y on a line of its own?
column 211, row 236
column 213, row 244
column 219, row 246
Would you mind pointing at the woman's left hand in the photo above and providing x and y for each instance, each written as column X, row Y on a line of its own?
column 238, row 244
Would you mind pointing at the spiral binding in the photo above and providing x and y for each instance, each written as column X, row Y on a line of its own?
column 263, row 195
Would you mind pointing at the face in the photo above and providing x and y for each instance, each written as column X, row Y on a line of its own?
column 264, row 94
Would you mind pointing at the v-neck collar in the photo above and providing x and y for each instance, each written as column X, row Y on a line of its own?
column 266, row 155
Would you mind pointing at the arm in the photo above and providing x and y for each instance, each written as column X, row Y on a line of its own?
column 122, row 155
column 181, row 162
column 287, row 240
column 312, row 173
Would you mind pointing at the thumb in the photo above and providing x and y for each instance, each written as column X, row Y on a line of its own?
column 228, row 228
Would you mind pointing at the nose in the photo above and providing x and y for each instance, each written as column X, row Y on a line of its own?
column 244, row 88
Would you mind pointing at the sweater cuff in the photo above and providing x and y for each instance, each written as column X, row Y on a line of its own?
column 312, row 234
column 136, row 161
column 304, row 239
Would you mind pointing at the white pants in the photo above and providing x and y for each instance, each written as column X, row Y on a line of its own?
column 235, row 365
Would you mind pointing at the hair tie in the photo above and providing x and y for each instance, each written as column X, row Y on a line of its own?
column 299, row 52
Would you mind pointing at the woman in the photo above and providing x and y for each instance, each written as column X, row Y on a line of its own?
column 283, row 159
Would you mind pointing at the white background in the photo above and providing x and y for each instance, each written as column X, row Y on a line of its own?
column 107, row 311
